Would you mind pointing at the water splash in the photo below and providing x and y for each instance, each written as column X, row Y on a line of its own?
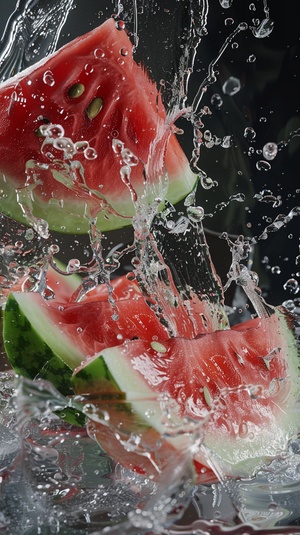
column 31, row 33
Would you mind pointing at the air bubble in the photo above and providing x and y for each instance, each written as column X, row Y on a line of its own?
column 231, row 86
column 251, row 58
column 270, row 151
column 124, row 51
column 276, row 270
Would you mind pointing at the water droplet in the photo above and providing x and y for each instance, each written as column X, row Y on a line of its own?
column 124, row 51
column 229, row 21
column 262, row 165
column 263, row 29
column 227, row 142
column 90, row 153
column 120, row 25
column 231, row 86
column 48, row 78
column 81, row 146
column 226, row 3
column 99, row 53
column 216, row 100
column 54, row 249
column 270, row 151
column 249, row 133
column 73, row 265
column 195, row 213
column 117, row 146
column 291, row 285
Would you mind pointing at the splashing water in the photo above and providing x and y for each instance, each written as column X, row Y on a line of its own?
column 167, row 279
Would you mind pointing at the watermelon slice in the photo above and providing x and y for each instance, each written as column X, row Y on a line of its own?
column 48, row 328
column 240, row 385
column 82, row 132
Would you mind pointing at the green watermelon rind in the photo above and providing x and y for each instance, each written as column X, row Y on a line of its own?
column 35, row 346
column 72, row 217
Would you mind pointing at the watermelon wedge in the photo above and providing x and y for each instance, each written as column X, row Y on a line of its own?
column 237, row 387
column 48, row 328
column 240, row 385
column 82, row 132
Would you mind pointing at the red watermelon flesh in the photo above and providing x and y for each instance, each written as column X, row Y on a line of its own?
column 241, row 385
column 90, row 93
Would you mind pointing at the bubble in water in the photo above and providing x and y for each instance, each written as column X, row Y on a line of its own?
column 276, row 270
column 48, row 78
column 249, row 133
column 262, row 165
column 216, row 100
column 251, row 58
column 263, row 29
column 53, row 131
column 270, row 150
column 231, row 86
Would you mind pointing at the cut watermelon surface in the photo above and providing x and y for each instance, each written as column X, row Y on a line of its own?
column 84, row 132
column 240, row 385
column 237, row 388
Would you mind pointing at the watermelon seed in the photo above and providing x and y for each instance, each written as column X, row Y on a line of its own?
column 157, row 346
column 94, row 107
column 76, row 91
column 207, row 396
